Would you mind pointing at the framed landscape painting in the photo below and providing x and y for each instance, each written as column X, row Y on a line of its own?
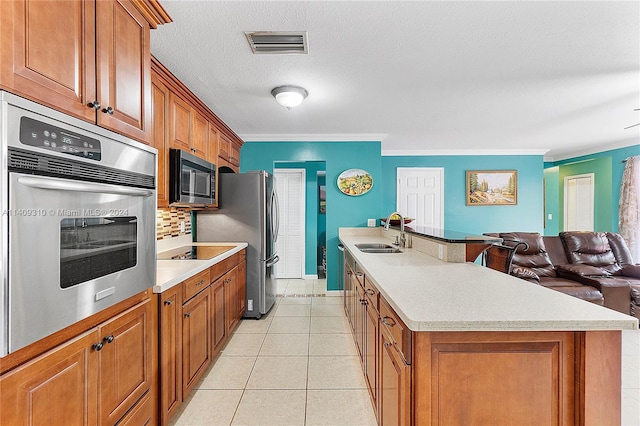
column 492, row 187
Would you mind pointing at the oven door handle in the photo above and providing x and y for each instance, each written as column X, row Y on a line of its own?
column 68, row 185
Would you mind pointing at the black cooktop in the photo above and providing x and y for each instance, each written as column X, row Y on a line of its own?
column 193, row 252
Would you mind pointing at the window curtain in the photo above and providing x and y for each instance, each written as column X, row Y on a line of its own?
column 629, row 207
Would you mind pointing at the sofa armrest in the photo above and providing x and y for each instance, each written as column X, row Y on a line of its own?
column 631, row 271
column 582, row 270
column 525, row 274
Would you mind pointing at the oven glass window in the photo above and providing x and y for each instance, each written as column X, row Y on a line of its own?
column 92, row 247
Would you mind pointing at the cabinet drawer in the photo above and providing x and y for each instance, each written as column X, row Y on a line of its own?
column 195, row 284
column 221, row 268
column 397, row 329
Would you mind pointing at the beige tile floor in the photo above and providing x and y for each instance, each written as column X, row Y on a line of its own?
column 298, row 365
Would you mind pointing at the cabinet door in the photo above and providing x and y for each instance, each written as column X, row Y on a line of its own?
column 395, row 385
column 242, row 288
column 231, row 289
column 125, row 361
column 212, row 152
column 170, row 353
column 224, row 147
column 219, row 314
column 199, row 135
column 57, row 388
column 234, row 154
column 196, row 340
column 179, row 123
column 48, row 53
column 371, row 348
column 123, row 64
column 359, row 318
column 141, row 414
column 160, row 134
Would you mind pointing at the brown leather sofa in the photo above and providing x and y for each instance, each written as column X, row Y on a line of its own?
column 536, row 262
column 589, row 265
column 603, row 260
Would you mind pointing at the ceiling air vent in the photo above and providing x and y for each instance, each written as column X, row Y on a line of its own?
column 278, row 42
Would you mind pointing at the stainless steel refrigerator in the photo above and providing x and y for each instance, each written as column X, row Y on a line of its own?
column 247, row 211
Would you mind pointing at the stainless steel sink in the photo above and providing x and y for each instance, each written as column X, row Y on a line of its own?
column 377, row 248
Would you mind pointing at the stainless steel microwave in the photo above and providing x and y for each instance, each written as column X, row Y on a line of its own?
column 192, row 180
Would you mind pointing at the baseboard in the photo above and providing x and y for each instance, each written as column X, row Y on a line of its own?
column 310, row 277
column 335, row 293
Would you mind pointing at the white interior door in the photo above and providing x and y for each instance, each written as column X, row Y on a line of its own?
column 579, row 202
column 421, row 195
column 290, row 186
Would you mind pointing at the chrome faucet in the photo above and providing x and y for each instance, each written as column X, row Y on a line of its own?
column 403, row 237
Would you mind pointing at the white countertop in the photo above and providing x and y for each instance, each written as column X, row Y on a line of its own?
column 172, row 272
column 432, row 295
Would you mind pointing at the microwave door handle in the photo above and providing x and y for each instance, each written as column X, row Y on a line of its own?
column 67, row 185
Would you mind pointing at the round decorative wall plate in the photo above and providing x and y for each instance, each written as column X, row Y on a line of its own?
column 355, row 182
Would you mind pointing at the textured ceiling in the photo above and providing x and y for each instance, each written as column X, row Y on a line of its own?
column 554, row 78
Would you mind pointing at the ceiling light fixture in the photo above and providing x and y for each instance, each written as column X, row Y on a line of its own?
column 289, row 96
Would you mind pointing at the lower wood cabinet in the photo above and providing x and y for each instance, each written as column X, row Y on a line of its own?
column 196, row 338
column 394, row 391
column 94, row 378
column 196, row 318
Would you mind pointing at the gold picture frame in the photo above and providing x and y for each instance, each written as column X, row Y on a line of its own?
column 492, row 188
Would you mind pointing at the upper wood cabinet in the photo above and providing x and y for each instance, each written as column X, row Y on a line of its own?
column 63, row 54
column 182, row 121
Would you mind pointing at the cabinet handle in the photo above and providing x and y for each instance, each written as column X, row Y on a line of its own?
column 359, row 274
column 97, row 346
column 109, row 339
column 108, row 110
column 95, row 105
column 187, row 315
column 200, row 283
column 370, row 292
column 168, row 301
column 387, row 344
column 388, row 321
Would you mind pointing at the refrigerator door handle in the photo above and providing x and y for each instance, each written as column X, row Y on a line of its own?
column 273, row 261
column 275, row 215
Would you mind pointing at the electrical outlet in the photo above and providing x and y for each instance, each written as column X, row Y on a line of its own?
column 440, row 251
column 183, row 226
column 250, row 305
column 550, row 216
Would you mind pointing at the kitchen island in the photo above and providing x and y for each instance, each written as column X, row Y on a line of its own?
column 457, row 343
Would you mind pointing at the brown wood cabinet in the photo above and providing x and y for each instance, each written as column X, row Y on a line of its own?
column 170, row 306
column 394, row 392
column 196, row 318
column 76, row 71
column 182, row 121
column 94, row 378
column 196, row 339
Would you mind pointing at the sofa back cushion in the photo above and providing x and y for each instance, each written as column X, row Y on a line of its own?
column 590, row 248
column 534, row 256
column 620, row 249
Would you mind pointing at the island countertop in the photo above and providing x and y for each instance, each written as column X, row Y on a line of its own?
column 432, row 295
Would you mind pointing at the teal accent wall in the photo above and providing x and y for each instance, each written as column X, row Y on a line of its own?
column 311, row 207
column 608, row 168
column 527, row 215
column 342, row 210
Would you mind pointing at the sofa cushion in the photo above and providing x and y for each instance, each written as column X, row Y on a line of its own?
column 630, row 271
column 532, row 256
column 635, row 294
column 583, row 292
column 590, row 248
column 583, row 270
column 620, row 249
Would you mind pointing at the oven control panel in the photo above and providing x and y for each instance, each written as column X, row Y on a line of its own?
column 53, row 138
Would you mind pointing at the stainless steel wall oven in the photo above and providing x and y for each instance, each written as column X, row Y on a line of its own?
column 78, row 220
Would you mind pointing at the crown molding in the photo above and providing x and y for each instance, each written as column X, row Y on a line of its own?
column 433, row 152
column 316, row 137
column 594, row 150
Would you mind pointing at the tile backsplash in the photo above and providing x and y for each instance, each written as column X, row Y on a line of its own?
column 168, row 222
